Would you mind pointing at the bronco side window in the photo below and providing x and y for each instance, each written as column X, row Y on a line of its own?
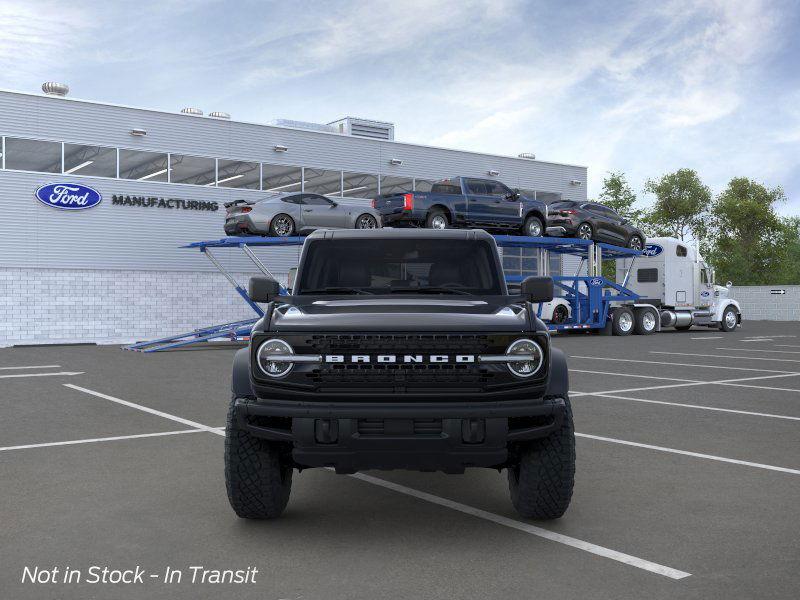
column 681, row 251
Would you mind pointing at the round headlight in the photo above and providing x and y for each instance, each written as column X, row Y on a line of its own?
column 529, row 366
column 271, row 367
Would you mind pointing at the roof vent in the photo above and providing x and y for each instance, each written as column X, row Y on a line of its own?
column 51, row 88
column 377, row 130
column 192, row 111
column 219, row 115
column 303, row 125
column 527, row 155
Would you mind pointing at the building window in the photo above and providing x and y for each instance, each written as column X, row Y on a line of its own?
column 237, row 174
column 321, row 181
column 33, row 155
column 96, row 161
column 280, row 178
column 396, row 185
column 144, row 166
column 359, row 185
column 423, row 185
column 194, row 170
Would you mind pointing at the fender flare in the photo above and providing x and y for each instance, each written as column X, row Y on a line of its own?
column 240, row 382
column 558, row 385
column 730, row 302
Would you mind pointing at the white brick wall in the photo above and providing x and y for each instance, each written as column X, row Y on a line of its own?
column 47, row 306
column 758, row 303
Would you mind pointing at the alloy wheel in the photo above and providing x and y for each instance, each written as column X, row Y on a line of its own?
column 439, row 222
column 282, row 226
column 585, row 231
column 366, row 222
column 635, row 243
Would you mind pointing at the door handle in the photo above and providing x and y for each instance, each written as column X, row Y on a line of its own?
column 307, row 210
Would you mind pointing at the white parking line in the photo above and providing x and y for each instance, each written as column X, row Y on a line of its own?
column 64, row 373
column 634, row 375
column 682, row 405
column 733, row 382
column 708, row 337
column 793, row 360
column 146, row 409
column 103, row 439
column 787, row 346
column 627, row 559
column 672, row 364
column 687, row 453
column 759, row 350
column 31, row 367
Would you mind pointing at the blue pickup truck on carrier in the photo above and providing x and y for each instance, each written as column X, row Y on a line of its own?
column 465, row 202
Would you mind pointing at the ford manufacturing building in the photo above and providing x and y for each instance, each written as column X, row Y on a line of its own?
column 116, row 272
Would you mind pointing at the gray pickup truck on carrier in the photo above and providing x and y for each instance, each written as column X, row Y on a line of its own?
column 400, row 349
column 466, row 202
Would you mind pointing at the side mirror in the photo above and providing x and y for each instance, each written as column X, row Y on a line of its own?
column 334, row 204
column 263, row 289
column 729, row 285
column 537, row 289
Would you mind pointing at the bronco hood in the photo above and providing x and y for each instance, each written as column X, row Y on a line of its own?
column 398, row 313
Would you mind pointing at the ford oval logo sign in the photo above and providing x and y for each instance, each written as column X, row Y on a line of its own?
column 596, row 281
column 705, row 294
column 68, row 196
column 652, row 250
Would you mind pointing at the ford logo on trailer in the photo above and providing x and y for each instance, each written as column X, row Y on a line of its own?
column 705, row 294
column 68, row 196
column 596, row 281
column 652, row 250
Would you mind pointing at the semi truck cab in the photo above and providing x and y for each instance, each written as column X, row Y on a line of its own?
column 672, row 276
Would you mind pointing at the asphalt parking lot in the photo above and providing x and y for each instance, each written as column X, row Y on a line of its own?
column 687, row 485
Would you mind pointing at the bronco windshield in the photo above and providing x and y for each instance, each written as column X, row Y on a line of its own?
column 396, row 266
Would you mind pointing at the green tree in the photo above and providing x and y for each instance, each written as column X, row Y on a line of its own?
column 618, row 195
column 750, row 243
column 681, row 205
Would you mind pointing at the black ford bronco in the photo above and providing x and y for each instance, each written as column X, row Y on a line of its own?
column 400, row 349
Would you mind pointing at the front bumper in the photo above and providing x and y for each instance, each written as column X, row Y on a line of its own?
column 434, row 436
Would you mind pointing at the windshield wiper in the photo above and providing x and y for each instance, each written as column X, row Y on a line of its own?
column 337, row 290
column 430, row 290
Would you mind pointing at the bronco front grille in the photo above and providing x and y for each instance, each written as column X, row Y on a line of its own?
column 387, row 344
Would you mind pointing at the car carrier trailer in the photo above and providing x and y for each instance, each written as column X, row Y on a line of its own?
column 594, row 303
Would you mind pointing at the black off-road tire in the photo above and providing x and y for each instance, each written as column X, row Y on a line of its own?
column 541, row 483
column 257, row 480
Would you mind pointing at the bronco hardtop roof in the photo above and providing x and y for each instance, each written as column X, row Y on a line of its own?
column 402, row 234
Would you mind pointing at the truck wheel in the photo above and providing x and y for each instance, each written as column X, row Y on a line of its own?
column 645, row 322
column 258, row 482
column 541, row 483
column 623, row 322
column 437, row 219
column 729, row 320
column 533, row 227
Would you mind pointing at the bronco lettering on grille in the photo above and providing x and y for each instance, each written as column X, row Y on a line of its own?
column 399, row 358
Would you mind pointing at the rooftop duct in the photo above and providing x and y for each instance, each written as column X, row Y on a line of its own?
column 192, row 111
column 51, row 88
column 219, row 115
column 303, row 125
column 527, row 155
column 377, row 130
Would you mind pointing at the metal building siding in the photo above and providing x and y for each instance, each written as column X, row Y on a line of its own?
column 139, row 238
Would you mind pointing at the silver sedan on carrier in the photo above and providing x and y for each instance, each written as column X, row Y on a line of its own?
column 286, row 214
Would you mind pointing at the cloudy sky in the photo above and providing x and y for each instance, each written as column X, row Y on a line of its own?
column 641, row 87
